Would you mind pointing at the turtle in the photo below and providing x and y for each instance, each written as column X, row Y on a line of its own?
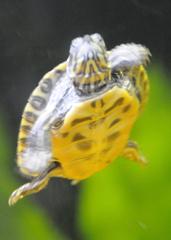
column 79, row 118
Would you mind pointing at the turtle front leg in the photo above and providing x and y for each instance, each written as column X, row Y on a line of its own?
column 36, row 185
column 133, row 153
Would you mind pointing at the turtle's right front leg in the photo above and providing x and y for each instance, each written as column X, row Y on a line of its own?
column 132, row 152
column 36, row 185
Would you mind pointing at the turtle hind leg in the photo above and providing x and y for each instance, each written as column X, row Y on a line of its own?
column 132, row 152
column 36, row 185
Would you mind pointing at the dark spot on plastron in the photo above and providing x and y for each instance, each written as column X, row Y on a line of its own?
column 77, row 137
column 46, row 85
column 65, row 134
column 93, row 104
column 102, row 102
column 80, row 120
column 96, row 123
column 115, row 121
column 126, row 108
column 26, row 128
column 118, row 102
column 92, row 124
column 101, row 120
column 30, row 116
column 113, row 136
column 84, row 145
column 37, row 102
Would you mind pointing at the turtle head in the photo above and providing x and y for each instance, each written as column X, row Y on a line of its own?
column 88, row 66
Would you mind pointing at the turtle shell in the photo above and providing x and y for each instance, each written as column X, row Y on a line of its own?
column 94, row 132
column 83, row 131
column 79, row 117
column 89, row 136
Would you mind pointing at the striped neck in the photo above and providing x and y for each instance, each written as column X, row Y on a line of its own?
column 87, row 65
column 92, row 84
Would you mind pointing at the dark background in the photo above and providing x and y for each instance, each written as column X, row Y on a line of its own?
column 35, row 36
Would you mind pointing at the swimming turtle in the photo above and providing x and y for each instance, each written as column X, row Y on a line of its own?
column 79, row 117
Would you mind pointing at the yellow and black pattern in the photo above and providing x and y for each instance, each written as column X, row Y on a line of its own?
column 35, row 106
column 90, row 71
column 140, row 82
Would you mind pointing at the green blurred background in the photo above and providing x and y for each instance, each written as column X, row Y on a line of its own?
column 125, row 201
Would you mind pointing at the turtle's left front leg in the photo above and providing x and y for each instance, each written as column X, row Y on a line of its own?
column 132, row 152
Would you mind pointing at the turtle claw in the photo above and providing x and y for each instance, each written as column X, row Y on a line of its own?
column 36, row 185
column 17, row 194
column 27, row 189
